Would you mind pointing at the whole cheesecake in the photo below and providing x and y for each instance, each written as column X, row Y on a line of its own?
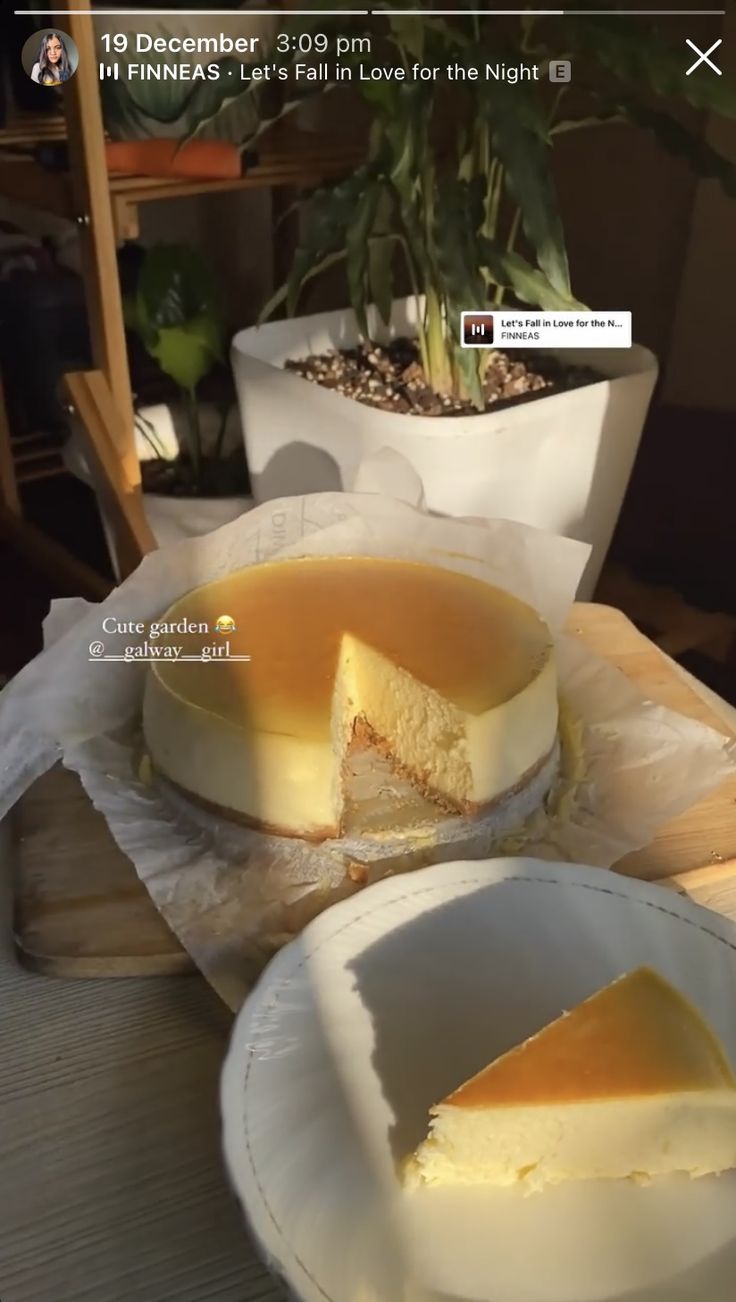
column 447, row 682
column 630, row 1084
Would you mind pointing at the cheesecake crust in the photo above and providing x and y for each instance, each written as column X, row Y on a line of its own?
column 313, row 836
column 365, row 736
column 362, row 738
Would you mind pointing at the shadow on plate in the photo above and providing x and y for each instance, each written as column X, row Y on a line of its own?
column 459, row 984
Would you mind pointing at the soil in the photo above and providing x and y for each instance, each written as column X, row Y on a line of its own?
column 219, row 477
column 391, row 378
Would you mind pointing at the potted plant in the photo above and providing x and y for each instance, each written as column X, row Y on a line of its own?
column 469, row 221
column 225, row 107
column 137, row 107
column 192, row 480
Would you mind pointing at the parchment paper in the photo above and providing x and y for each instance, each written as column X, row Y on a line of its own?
column 233, row 895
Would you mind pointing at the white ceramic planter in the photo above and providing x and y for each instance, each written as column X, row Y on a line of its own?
column 560, row 463
column 174, row 518
column 171, row 518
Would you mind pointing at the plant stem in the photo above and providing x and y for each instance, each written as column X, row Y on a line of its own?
column 421, row 332
column 526, row 28
column 580, row 124
column 439, row 371
column 554, row 110
column 439, row 365
column 495, row 204
column 224, row 413
column 148, row 431
column 488, row 227
column 511, row 241
column 195, row 437
column 514, row 231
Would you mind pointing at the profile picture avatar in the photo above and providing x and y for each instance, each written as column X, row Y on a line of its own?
column 49, row 57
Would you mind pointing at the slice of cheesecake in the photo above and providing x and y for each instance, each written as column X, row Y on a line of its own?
column 631, row 1083
column 447, row 682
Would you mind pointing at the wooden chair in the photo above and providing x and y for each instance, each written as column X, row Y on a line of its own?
column 673, row 624
column 101, row 398
column 106, row 209
column 37, row 548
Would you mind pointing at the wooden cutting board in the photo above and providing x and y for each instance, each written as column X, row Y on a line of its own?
column 80, row 910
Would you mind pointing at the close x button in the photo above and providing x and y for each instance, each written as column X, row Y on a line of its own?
column 703, row 56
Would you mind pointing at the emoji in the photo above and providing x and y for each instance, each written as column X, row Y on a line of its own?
column 225, row 624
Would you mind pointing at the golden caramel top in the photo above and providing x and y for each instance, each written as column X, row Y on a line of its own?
column 638, row 1036
column 473, row 643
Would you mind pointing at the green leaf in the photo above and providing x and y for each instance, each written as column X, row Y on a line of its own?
column 162, row 101
column 120, row 115
column 176, row 284
column 433, row 34
column 527, row 23
column 466, row 165
column 457, row 219
column 281, row 294
column 520, row 140
column 468, row 365
column 244, row 110
column 169, row 107
column 635, row 53
column 329, row 215
column 141, row 323
column 187, row 352
column 289, row 105
column 683, row 143
column 243, row 118
column 176, row 313
column 235, row 118
column 357, row 249
column 408, row 34
column 404, row 110
column 130, row 312
column 416, row 153
column 380, row 273
column 226, row 107
column 381, row 243
column 405, row 160
column 528, row 283
column 606, row 117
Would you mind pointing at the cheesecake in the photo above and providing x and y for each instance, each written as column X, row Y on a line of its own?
column 631, row 1083
column 446, row 683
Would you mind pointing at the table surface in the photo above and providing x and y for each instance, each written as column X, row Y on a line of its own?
column 111, row 1182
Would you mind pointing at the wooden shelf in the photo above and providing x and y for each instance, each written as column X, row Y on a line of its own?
column 23, row 181
column 32, row 129
column 107, row 209
column 286, row 157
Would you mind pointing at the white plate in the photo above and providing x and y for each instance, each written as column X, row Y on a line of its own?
column 389, row 1000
